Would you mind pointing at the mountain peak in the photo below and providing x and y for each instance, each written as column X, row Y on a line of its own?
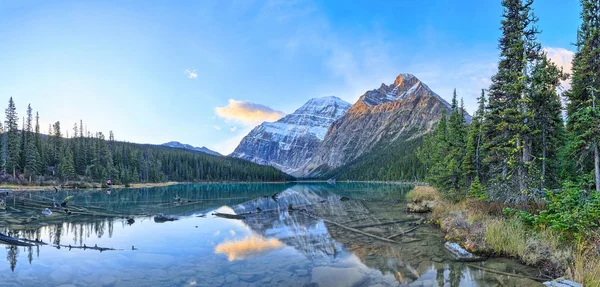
column 405, row 85
column 404, row 78
column 176, row 144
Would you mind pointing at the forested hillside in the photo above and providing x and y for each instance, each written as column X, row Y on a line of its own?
column 518, row 149
column 391, row 162
column 28, row 156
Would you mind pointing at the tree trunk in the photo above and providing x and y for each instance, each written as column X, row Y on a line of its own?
column 544, row 151
column 597, row 167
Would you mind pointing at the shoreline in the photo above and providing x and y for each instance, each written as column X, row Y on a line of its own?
column 481, row 228
column 95, row 185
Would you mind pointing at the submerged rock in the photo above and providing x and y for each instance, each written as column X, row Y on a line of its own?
column 420, row 207
column 560, row 282
column 330, row 276
column 462, row 254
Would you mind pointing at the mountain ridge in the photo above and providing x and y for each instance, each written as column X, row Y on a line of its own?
column 176, row 144
column 288, row 143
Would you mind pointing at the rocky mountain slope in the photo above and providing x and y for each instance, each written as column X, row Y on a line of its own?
column 175, row 144
column 402, row 111
column 289, row 143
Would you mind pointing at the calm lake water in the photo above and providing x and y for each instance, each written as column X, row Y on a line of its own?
column 275, row 247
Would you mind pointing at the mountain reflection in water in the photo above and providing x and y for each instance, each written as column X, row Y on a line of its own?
column 272, row 246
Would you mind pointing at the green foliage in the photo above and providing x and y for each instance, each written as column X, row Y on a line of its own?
column 476, row 190
column 573, row 212
column 395, row 162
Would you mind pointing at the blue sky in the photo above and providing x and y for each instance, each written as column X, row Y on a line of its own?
column 206, row 72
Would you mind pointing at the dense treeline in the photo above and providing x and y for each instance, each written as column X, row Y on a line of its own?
column 518, row 147
column 394, row 162
column 29, row 156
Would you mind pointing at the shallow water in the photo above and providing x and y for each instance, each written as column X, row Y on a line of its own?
column 276, row 247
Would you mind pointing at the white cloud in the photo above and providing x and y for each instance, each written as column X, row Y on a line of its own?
column 247, row 112
column 228, row 145
column 191, row 73
column 217, row 128
column 233, row 129
column 562, row 58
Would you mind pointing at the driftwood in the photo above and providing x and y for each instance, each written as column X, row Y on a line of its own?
column 229, row 216
column 160, row 218
column 384, row 223
column 13, row 241
column 349, row 228
column 84, row 247
column 402, row 233
column 506, row 273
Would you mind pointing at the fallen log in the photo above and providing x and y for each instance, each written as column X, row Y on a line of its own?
column 13, row 241
column 384, row 223
column 402, row 233
column 349, row 228
column 229, row 216
column 505, row 273
column 84, row 247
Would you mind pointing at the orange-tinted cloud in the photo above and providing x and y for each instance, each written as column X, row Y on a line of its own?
column 237, row 250
column 562, row 58
column 248, row 112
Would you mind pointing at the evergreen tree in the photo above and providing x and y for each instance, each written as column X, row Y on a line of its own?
column 65, row 168
column 457, row 130
column 12, row 141
column 505, row 129
column 582, row 110
column 474, row 154
column 546, row 125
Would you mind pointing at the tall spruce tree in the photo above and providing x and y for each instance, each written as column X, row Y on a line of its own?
column 474, row 152
column 546, row 125
column 457, row 131
column 583, row 115
column 506, row 127
column 12, row 141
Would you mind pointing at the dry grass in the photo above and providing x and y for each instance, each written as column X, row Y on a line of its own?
column 508, row 237
column 423, row 193
column 481, row 227
column 586, row 266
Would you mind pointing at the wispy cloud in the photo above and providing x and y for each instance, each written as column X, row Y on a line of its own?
column 191, row 73
column 562, row 58
column 233, row 129
column 247, row 112
column 217, row 128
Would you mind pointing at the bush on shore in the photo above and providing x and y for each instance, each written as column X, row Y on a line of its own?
column 483, row 228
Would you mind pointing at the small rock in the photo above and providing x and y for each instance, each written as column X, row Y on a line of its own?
column 231, row 278
column 266, row 280
column 562, row 283
column 437, row 259
column 330, row 276
column 62, row 275
column 301, row 272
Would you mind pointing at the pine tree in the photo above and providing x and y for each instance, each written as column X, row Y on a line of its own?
column 66, row 170
column 546, row 125
column 457, row 130
column 506, row 129
column 582, row 110
column 12, row 142
column 474, row 153
column 38, row 144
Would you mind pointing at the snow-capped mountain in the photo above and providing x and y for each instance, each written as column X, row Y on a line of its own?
column 175, row 144
column 404, row 110
column 288, row 144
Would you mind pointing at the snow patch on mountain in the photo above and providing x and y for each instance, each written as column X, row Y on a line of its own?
column 288, row 143
column 176, row 144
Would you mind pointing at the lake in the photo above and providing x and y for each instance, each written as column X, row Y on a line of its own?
column 272, row 245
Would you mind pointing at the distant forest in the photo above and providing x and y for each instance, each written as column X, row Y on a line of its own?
column 30, row 157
